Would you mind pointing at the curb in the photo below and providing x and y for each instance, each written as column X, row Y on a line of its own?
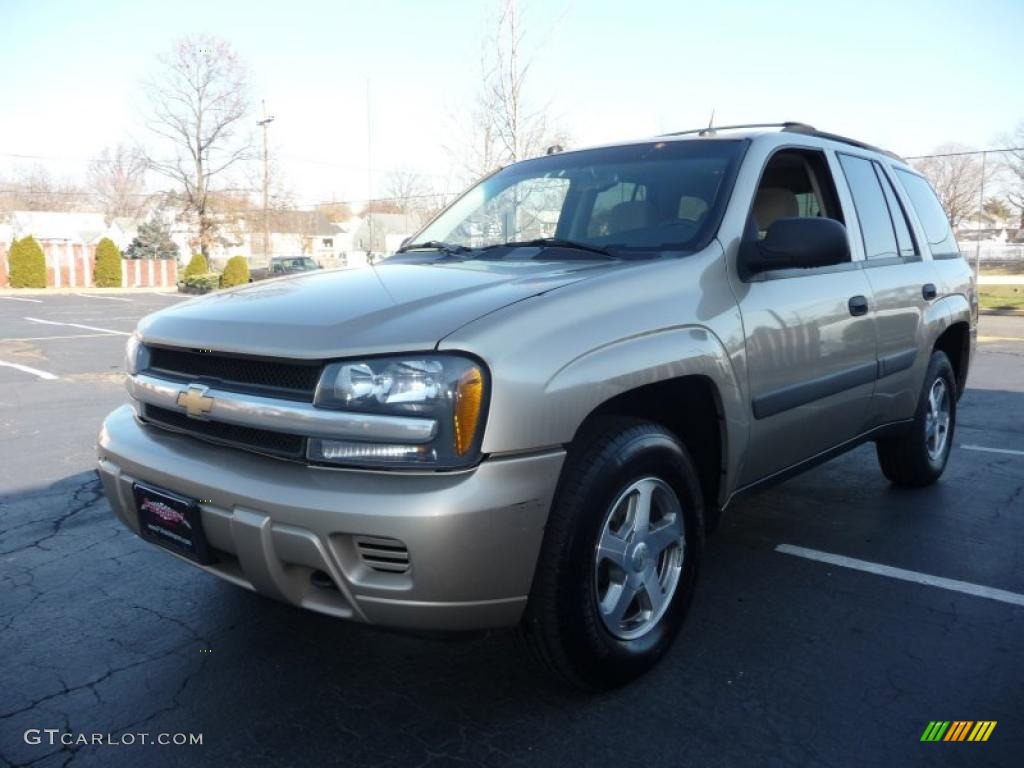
column 1002, row 312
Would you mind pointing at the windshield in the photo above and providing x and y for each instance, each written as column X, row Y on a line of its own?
column 656, row 196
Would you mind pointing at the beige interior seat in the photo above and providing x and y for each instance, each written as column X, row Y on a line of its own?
column 773, row 203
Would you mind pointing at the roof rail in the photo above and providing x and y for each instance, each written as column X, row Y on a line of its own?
column 713, row 129
column 809, row 131
column 791, row 127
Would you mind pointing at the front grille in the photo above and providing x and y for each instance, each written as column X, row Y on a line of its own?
column 383, row 555
column 291, row 379
column 260, row 440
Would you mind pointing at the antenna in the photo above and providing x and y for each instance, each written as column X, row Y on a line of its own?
column 711, row 120
column 267, row 120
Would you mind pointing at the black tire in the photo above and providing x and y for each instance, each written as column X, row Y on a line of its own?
column 562, row 625
column 906, row 460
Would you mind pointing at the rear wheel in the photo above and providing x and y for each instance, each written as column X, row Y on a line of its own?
column 919, row 457
column 619, row 561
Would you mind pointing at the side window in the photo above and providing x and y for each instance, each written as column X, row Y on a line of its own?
column 796, row 182
column 929, row 211
column 904, row 239
column 876, row 225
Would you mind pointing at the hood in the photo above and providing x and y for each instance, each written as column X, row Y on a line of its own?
column 397, row 307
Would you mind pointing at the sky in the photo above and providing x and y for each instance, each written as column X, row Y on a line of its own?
column 907, row 75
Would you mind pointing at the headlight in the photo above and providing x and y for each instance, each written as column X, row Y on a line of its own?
column 448, row 390
column 136, row 356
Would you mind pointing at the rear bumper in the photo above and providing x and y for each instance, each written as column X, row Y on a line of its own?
column 472, row 537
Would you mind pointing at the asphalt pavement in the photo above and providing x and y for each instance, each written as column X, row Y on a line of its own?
column 835, row 619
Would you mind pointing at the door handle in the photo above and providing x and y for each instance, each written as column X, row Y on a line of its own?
column 928, row 291
column 858, row 306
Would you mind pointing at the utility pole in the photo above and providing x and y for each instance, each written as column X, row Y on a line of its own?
column 981, row 213
column 369, row 174
column 267, row 120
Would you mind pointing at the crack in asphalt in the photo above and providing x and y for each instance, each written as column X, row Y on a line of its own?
column 83, row 497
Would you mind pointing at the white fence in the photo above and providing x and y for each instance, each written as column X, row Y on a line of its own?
column 992, row 252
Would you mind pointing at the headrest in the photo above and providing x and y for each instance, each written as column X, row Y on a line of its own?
column 774, row 203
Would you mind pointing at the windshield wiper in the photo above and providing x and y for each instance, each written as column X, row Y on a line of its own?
column 449, row 249
column 558, row 242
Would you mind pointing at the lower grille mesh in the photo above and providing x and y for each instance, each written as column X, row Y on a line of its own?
column 260, row 440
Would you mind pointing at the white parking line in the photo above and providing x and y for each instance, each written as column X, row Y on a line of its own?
column 19, row 298
column 78, row 325
column 953, row 585
column 992, row 450
column 33, row 371
column 107, row 298
column 54, row 338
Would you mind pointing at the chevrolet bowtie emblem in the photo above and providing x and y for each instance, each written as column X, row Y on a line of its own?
column 195, row 402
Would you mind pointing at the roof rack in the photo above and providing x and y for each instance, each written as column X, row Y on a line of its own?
column 809, row 131
column 790, row 127
column 713, row 129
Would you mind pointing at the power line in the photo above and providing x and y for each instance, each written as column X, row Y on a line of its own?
column 969, row 152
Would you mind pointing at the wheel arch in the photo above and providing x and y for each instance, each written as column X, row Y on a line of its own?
column 682, row 379
column 700, row 426
column 954, row 336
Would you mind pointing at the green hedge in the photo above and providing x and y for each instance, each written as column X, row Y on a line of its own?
column 198, row 266
column 236, row 272
column 108, row 264
column 203, row 283
column 27, row 264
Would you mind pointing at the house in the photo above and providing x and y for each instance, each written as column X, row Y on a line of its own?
column 379, row 232
column 57, row 228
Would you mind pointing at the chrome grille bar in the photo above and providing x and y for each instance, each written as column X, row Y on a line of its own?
column 280, row 415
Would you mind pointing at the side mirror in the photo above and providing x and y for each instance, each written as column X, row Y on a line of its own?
column 800, row 242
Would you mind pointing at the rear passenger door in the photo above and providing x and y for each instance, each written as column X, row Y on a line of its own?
column 902, row 284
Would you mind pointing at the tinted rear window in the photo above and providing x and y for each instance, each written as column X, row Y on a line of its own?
column 929, row 211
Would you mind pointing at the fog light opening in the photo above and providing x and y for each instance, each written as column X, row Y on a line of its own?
column 321, row 580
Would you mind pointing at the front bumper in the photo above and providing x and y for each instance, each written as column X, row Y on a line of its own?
column 472, row 537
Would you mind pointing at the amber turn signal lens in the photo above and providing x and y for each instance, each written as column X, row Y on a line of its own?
column 469, row 395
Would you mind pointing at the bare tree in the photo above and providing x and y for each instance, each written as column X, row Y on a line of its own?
column 336, row 212
column 117, row 180
column 196, row 105
column 505, row 124
column 410, row 193
column 957, row 180
column 1013, row 165
column 33, row 188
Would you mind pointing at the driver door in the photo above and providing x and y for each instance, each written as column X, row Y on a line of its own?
column 810, row 336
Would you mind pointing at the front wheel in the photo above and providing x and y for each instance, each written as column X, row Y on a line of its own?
column 919, row 457
column 619, row 562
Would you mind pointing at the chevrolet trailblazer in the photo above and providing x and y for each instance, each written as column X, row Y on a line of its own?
column 532, row 413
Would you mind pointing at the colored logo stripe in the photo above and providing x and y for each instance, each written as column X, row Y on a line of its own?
column 958, row 730
column 982, row 730
column 935, row 730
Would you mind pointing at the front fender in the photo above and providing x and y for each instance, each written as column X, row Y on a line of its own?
column 556, row 357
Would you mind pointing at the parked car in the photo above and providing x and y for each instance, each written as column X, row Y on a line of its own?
column 532, row 413
column 283, row 265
